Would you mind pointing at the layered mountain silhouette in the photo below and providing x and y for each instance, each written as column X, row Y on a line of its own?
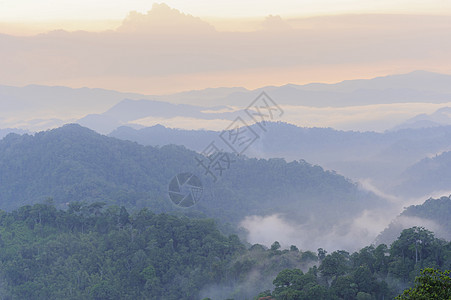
column 430, row 175
column 433, row 214
column 441, row 117
column 381, row 157
column 43, row 107
column 73, row 163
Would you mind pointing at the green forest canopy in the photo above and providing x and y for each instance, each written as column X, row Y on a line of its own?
column 93, row 251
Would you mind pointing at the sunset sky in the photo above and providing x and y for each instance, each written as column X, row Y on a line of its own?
column 140, row 46
column 49, row 10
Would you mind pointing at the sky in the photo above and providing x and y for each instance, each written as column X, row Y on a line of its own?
column 48, row 10
column 143, row 47
column 27, row 17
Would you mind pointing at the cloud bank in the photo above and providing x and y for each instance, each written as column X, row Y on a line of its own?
column 165, row 51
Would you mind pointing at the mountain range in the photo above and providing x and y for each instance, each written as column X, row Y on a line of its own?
column 395, row 98
column 134, row 165
column 441, row 117
column 73, row 163
column 386, row 158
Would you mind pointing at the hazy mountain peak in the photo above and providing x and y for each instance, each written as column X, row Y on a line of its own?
column 416, row 80
column 445, row 110
column 441, row 117
column 70, row 129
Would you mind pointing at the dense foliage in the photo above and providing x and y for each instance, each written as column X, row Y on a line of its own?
column 428, row 175
column 438, row 210
column 90, row 240
column 89, row 252
column 433, row 213
column 73, row 163
column 372, row 273
column 381, row 157
column 430, row 285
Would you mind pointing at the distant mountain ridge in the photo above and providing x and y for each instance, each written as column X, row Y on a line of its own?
column 417, row 86
column 382, row 157
column 37, row 107
column 129, row 110
column 42, row 107
column 6, row 131
column 73, row 163
column 420, row 80
column 441, row 117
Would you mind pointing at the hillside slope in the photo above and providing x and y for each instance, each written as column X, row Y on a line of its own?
column 73, row 163
column 381, row 157
column 428, row 175
column 434, row 214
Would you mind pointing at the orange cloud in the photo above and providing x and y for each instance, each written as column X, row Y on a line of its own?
column 167, row 51
column 163, row 20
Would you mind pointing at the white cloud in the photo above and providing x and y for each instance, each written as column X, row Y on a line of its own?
column 347, row 235
column 378, row 117
column 184, row 123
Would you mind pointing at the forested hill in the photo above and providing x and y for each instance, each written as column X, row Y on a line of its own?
column 381, row 157
column 428, row 175
column 73, row 163
column 434, row 214
column 93, row 251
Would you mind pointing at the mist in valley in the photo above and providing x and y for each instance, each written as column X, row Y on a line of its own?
column 170, row 155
